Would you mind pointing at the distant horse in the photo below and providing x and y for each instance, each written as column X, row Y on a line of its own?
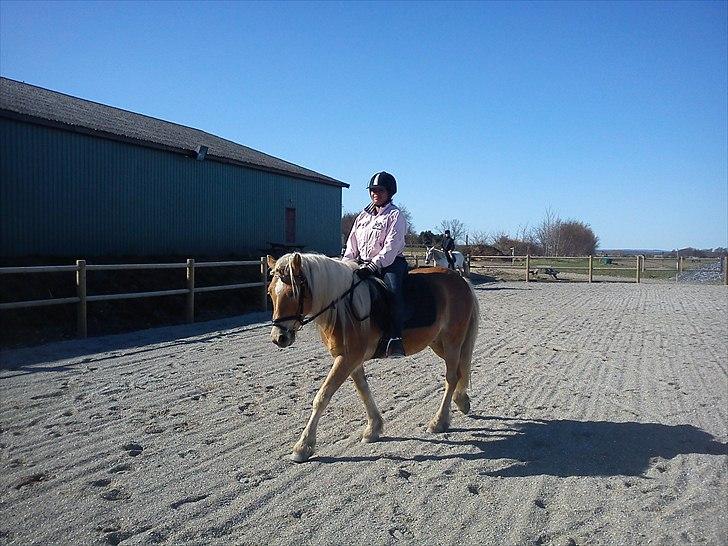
column 314, row 288
column 441, row 260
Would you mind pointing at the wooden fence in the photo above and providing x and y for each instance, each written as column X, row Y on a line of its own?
column 526, row 265
column 633, row 266
column 82, row 298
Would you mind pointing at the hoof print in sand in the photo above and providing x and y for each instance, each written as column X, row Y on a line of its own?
column 133, row 449
column 101, row 482
column 31, row 480
column 187, row 500
column 119, row 468
column 115, row 494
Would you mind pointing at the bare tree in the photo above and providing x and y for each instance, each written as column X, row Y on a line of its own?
column 479, row 238
column 547, row 233
column 347, row 222
column 411, row 236
column 456, row 227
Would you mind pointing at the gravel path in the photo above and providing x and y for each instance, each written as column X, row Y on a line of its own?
column 599, row 417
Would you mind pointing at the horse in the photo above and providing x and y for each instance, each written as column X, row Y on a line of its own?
column 307, row 287
column 438, row 257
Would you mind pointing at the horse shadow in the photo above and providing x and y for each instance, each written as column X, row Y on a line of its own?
column 562, row 447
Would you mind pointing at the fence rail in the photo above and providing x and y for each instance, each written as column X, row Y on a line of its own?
column 527, row 265
column 634, row 264
column 82, row 298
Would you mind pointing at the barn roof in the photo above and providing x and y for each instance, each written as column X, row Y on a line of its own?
column 38, row 105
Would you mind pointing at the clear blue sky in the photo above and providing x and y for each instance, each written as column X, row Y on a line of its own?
column 614, row 114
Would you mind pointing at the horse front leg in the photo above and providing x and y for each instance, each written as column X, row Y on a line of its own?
column 375, row 423
column 338, row 373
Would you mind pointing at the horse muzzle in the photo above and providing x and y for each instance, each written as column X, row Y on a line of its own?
column 282, row 337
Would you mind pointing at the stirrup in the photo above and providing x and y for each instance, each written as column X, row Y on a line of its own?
column 395, row 349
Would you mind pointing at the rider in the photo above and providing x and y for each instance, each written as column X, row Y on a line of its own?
column 448, row 245
column 376, row 241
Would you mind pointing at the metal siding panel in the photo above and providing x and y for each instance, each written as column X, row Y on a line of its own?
column 69, row 194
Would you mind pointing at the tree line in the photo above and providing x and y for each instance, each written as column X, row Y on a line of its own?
column 552, row 236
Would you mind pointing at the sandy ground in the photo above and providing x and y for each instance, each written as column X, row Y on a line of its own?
column 599, row 417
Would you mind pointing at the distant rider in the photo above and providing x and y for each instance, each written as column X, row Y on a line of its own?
column 448, row 246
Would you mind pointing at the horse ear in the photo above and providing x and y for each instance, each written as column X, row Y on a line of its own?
column 271, row 262
column 296, row 263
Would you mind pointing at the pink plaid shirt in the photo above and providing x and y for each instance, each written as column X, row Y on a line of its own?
column 377, row 237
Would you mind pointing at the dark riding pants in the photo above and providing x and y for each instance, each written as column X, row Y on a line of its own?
column 450, row 260
column 393, row 276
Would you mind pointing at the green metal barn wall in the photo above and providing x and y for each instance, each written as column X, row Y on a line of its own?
column 68, row 194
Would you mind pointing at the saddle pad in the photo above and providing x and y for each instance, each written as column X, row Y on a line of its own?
column 419, row 303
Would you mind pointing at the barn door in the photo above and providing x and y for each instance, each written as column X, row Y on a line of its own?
column 290, row 226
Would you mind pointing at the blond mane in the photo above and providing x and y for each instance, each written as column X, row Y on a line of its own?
column 329, row 278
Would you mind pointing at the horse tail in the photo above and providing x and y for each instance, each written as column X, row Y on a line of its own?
column 468, row 345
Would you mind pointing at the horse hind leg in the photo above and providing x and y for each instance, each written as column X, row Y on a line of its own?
column 441, row 421
column 460, row 396
column 375, row 423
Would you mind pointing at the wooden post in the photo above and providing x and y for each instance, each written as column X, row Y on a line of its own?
column 190, row 290
column 591, row 268
column 417, row 261
column 638, row 267
column 467, row 264
column 680, row 264
column 528, row 266
column 725, row 270
column 264, row 280
column 81, row 324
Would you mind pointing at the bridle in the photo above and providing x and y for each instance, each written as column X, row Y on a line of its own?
column 299, row 317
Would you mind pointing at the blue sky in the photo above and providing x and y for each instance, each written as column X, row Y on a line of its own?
column 615, row 113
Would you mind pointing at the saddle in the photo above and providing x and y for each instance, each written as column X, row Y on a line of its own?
column 419, row 306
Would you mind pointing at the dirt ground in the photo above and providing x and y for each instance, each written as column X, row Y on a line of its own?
column 598, row 417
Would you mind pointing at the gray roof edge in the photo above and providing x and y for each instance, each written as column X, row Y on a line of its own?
column 39, row 120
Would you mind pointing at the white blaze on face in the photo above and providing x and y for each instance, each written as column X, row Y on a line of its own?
column 280, row 287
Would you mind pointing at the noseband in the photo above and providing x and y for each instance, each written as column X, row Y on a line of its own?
column 298, row 317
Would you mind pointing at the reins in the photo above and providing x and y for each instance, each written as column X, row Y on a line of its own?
column 302, row 321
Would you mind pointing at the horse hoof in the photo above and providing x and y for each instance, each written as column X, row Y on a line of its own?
column 301, row 454
column 369, row 437
column 436, row 427
column 462, row 401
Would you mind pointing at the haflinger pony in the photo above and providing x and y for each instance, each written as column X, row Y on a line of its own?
column 443, row 314
column 439, row 258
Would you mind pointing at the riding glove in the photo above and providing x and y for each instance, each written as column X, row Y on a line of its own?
column 366, row 270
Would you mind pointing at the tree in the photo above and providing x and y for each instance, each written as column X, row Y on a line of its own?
column 577, row 239
column 547, row 233
column 456, row 227
column 347, row 222
column 411, row 236
column 426, row 238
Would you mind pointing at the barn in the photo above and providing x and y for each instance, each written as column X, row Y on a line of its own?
column 80, row 179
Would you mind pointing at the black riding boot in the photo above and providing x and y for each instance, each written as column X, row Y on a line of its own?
column 393, row 278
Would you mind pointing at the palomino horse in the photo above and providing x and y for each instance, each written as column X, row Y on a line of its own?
column 314, row 288
column 439, row 258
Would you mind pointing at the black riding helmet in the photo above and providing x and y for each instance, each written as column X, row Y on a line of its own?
column 384, row 180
